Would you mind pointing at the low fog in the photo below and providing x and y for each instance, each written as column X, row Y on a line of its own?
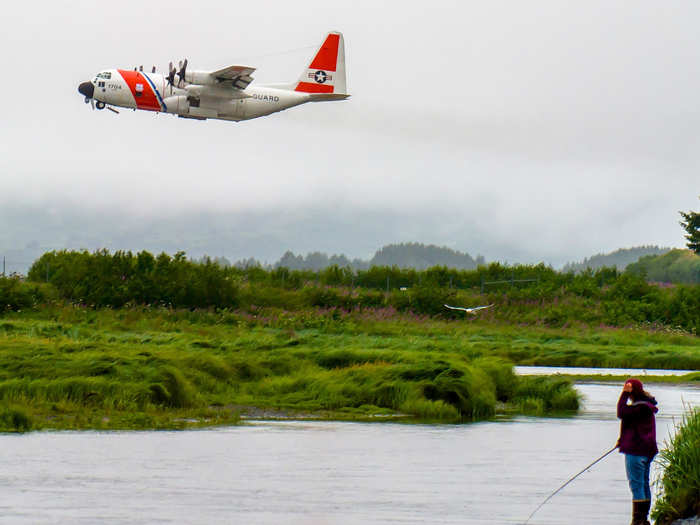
column 523, row 132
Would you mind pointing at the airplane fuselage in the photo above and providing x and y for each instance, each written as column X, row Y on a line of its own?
column 152, row 92
column 226, row 93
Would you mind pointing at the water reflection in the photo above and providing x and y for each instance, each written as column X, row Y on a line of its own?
column 330, row 473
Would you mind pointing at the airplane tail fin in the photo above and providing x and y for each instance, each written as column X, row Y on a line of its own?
column 325, row 74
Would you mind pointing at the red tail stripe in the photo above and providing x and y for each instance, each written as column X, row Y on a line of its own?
column 310, row 87
column 327, row 56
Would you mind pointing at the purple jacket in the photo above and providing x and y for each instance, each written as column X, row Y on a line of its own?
column 638, row 426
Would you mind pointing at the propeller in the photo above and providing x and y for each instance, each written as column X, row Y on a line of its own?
column 183, row 70
column 171, row 74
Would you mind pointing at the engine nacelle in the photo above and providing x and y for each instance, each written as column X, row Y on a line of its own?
column 177, row 104
column 201, row 78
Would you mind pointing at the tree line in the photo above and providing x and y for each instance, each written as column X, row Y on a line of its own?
column 523, row 293
column 404, row 255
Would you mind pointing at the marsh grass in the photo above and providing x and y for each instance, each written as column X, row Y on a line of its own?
column 680, row 482
column 14, row 419
column 67, row 366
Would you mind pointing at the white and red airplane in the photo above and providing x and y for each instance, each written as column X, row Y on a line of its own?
column 224, row 94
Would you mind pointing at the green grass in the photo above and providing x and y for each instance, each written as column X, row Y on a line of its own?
column 73, row 367
column 680, row 482
column 76, row 367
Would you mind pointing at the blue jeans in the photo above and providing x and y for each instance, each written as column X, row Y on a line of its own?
column 637, row 468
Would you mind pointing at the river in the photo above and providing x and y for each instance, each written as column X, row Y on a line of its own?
column 323, row 473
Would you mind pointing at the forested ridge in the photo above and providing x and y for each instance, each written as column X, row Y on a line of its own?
column 618, row 258
column 404, row 255
column 676, row 266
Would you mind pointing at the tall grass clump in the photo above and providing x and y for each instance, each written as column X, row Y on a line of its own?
column 14, row 419
column 680, row 481
column 468, row 389
column 173, row 390
column 539, row 395
column 501, row 373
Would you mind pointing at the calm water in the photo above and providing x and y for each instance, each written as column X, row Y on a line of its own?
column 330, row 473
column 549, row 370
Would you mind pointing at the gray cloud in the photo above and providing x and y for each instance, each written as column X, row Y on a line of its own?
column 525, row 132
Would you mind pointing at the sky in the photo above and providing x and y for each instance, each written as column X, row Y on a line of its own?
column 525, row 132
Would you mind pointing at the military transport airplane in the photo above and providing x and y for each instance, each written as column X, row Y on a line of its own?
column 224, row 94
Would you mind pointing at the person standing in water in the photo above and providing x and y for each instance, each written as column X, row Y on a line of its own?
column 636, row 409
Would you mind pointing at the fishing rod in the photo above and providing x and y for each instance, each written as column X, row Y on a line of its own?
column 569, row 481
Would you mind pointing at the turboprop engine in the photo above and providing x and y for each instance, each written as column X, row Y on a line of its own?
column 201, row 78
column 178, row 104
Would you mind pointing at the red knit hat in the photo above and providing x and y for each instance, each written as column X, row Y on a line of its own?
column 637, row 387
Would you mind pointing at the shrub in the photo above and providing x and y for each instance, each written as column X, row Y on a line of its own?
column 680, row 481
column 16, row 294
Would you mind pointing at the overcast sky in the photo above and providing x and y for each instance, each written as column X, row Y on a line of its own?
column 522, row 131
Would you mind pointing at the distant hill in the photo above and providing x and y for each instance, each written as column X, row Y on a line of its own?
column 676, row 266
column 318, row 261
column 405, row 255
column 420, row 257
column 619, row 258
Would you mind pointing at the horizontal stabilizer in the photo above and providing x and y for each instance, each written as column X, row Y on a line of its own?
column 320, row 97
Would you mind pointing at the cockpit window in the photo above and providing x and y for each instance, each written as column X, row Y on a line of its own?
column 106, row 75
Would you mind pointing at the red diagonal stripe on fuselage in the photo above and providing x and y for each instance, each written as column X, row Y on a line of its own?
column 145, row 99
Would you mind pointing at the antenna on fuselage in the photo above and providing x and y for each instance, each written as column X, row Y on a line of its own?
column 153, row 69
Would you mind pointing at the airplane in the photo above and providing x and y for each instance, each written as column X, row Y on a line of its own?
column 225, row 94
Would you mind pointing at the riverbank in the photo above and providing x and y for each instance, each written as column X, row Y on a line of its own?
column 299, row 472
column 680, row 481
column 76, row 367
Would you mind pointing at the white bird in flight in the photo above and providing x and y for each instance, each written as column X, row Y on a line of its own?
column 469, row 310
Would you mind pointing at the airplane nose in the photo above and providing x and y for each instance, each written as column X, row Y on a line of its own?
column 87, row 89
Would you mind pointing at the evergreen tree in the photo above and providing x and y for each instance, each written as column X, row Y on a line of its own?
column 691, row 224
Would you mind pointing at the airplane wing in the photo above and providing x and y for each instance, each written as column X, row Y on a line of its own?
column 238, row 75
